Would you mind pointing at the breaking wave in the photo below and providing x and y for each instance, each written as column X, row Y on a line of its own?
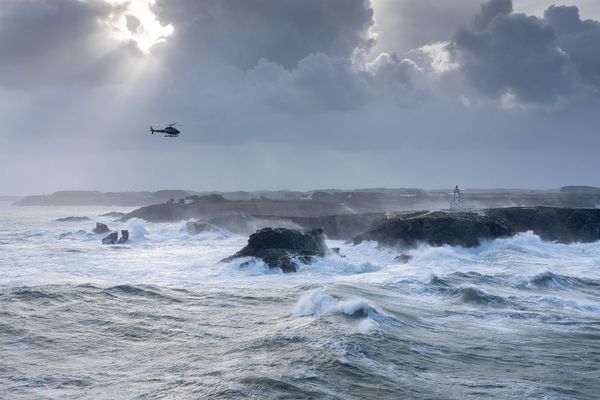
column 318, row 303
column 137, row 229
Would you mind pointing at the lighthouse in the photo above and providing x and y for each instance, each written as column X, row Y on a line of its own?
column 457, row 203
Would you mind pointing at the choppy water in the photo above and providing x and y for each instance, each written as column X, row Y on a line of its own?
column 160, row 317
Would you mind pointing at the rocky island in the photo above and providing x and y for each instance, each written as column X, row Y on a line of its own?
column 467, row 229
column 284, row 248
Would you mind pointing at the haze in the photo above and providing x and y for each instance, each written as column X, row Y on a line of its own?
column 298, row 95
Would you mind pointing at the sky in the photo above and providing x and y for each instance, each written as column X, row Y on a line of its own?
column 300, row 95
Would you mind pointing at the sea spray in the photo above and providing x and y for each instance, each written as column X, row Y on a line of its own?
column 137, row 229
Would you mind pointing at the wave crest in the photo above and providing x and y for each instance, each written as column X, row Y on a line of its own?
column 550, row 280
column 317, row 302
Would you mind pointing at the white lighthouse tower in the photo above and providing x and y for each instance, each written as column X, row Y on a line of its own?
column 457, row 203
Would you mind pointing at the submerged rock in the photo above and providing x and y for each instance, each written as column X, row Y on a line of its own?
column 112, row 238
column 72, row 219
column 284, row 248
column 436, row 228
column 101, row 228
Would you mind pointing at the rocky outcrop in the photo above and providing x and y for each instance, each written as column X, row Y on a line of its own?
column 436, row 228
column 111, row 238
column 284, row 248
column 124, row 236
column 262, row 208
column 565, row 225
column 88, row 198
column 100, row 228
column 72, row 219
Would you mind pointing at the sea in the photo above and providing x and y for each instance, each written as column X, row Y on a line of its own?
column 161, row 317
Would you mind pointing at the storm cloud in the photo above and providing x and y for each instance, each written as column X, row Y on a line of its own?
column 528, row 60
column 295, row 94
column 284, row 31
column 579, row 39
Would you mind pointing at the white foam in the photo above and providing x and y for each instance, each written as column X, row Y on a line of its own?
column 159, row 253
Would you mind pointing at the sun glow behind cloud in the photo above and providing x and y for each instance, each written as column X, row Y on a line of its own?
column 135, row 20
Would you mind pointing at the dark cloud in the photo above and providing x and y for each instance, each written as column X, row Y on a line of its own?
column 318, row 83
column 513, row 55
column 282, row 31
column 403, row 25
column 58, row 42
column 490, row 10
column 579, row 39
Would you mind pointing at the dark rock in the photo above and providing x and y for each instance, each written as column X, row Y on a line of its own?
column 124, row 236
column 113, row 214
column 284, row 248
column 100, row 228
column 72, row 219
column 403, row 258
column 436, row 228
column 112, row 238
column 565, row 225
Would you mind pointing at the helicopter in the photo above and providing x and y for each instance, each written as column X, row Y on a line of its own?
column 169, row 131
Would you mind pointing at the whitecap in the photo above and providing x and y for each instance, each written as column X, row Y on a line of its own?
column 318, row 303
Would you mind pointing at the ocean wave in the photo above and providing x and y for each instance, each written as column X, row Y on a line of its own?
column 318, row 303
column 471, row 277
column 31, row 294
column 336, row 265
column 550, row 280
column 441, row 287
column 148, row 291
column 471, row 294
